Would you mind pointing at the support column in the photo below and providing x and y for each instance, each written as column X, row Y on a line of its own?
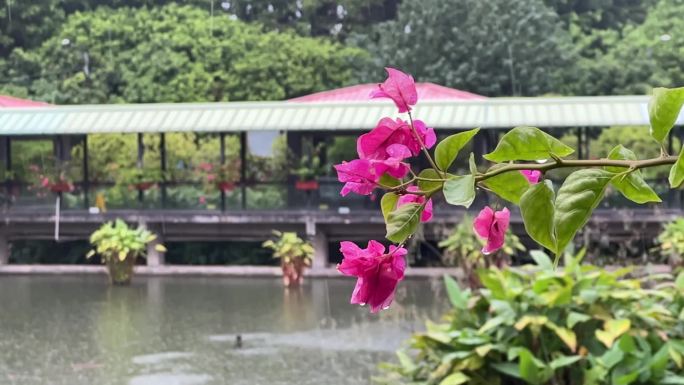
column 319, row 241
column 153, row 257
column 4, row 249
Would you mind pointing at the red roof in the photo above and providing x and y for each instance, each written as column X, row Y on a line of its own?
column 360, row 92
column 10, row 101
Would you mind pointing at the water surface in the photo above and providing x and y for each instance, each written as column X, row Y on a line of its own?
column 182, row 331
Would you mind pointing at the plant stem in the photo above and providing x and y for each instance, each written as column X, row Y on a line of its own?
column 422, row 146
column 629, row 164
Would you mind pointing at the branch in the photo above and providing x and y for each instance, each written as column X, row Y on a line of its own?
column 543, row 167
column 422, row 146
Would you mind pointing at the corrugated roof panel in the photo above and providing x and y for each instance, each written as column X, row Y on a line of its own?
column 245, row 116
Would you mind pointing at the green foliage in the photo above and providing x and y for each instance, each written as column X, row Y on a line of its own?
column 447, row 150
column 115, row 241
column 495, row 48
column 536, row 325
column 632, row 185
column 460, row 190
column 632, row 59
column 289, row 248
column 508, row 185
column 172, row 54
column 663, row 110
column 403, row 221
column 528, row 143
column 671, row 240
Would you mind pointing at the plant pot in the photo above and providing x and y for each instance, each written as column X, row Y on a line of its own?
column 225, row 186
column 61, row 187
column 121, row 272
column 293, row 273
column 306, row 185
column 142, row 186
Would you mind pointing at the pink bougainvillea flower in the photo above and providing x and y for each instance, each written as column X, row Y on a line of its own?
column 399, row 87
column 45, row 182
column 389, row 132
column 413, row 198
column 362, row 175
column 378, row 272
column 205, row 166
column 532, row 176
column 492, row 226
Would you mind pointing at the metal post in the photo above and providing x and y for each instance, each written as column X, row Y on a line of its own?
column 162, row 157
column 580, row 150
column 141, row 155
column 587, row 141
column 222, row 155
column 243, row 168
column 8, row 168
column 86, row 176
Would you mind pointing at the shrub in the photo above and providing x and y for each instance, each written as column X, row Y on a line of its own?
column 671, row 241
column 536, row 325
column 295, row 255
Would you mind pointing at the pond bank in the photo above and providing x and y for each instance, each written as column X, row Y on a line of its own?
column 229, row 271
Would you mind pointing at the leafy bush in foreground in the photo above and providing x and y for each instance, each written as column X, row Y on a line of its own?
column 535, row 325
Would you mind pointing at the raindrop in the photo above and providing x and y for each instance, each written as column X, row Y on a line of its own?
column 407, row 28
column 66, row 42
column 385, row 307
column 362, row 304
column 665, row 37
column 486, row 252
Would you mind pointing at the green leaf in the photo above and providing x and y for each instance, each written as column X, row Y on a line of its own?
column 510, row 185
column 566, row 335
column 574, row 318
column 563, row 361
column 460, row 190
column 537, row 208
column 663, row 110
column 507, row 368
column 458, row 298
column 632, row 186
column 426, row 185
column 402, row 222
column 677, row 171
column 457, row 378
column 612, row 329
column 542, row 260
column 527, row 143
column 472, row 165
column 388, row 203
column 389, row 181
column 531, row 369
column 576, row 199
column 447, row 150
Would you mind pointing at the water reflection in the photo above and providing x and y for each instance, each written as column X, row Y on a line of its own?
column 76, row 330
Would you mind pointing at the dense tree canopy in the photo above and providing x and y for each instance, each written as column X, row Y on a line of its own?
column 647, row 55
column 496, row 47
column 173, row 54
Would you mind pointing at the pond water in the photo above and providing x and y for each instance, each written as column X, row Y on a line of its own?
column 182, row 330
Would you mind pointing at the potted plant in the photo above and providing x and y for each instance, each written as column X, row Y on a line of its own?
column 138, row 178
column 671, row 242
column 220, row 176
column 308, row 169
column 119, row 246
column 295, row 255
column 55, row 179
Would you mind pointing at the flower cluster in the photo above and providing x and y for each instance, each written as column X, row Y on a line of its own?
column 383, row 153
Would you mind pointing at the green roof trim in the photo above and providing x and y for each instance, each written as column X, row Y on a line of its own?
column 597, row 111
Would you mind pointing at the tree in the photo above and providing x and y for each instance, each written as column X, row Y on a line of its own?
column 496, row 47
column 647, row 55
column 172, row 54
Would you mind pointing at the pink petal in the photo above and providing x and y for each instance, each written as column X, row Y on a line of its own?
column 388, row 276
column 483, row 222
column 399, row 87
column 356, row 262
column 427, row 134
column 427, row 212
column 532, row 176
column 358, row 176
column 497, row 231
column 362, row 291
